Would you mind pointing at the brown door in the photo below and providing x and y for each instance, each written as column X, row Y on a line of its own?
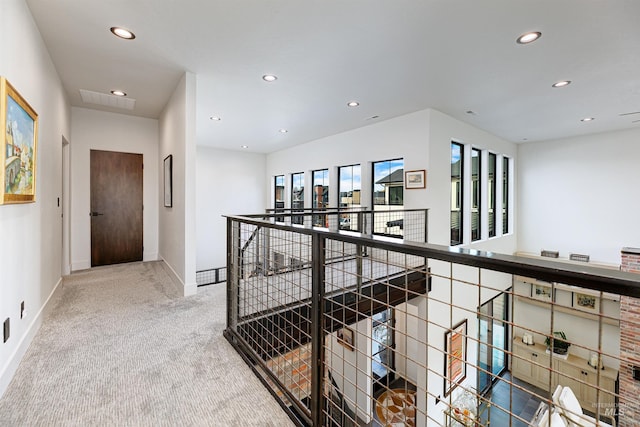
column 116, row 207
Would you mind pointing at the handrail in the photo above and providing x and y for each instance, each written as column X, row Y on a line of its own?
column 595, row 278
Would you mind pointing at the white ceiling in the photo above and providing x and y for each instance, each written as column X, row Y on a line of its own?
column 393, row 56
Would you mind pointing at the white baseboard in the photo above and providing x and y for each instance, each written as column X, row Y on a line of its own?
column 184, row 289
column 10, row 368
column 80, row 265
column 153, row 256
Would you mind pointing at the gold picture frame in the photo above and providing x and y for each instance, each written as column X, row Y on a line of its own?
column 19, row 123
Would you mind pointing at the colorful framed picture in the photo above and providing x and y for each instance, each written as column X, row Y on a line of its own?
column 346, row 338
column 586, row 302
column 542, row 292
column 19, row 146
column 455, row 352
column 415, row 179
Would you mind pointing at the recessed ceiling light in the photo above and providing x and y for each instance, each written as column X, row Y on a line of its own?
column 215, row 118
column 123, row 33
column 562, row 83
column 118, row 93
column 353, row 103
column 244, row 147
column 269, row 78
column 283, row 131
column 587, row 119
column 529, row 37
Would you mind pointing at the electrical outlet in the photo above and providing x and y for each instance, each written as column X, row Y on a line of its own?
column 22, row 314
column 7, row 328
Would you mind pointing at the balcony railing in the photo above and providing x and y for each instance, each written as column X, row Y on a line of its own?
column 348, row 328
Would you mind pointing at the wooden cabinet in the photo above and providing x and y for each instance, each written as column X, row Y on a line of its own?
column 531, row 364
column 583, row 380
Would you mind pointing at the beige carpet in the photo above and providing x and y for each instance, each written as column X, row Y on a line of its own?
column 121, row 347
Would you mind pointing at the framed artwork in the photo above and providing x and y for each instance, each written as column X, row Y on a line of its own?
column 415, row 179
column 19, row 124
column 168, row 181
column 586, row 302
column 346, row 338
column 455, row 352
column 541, row 292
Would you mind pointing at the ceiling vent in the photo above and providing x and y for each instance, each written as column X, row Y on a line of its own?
column 106, row 100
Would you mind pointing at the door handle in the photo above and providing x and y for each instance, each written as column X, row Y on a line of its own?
column 95, row 214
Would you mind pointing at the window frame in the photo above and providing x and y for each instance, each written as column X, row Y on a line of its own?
column 476, row 195
column 457, row 195
column 297, row 219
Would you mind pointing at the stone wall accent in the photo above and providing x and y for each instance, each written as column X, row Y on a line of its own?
column 629, row 404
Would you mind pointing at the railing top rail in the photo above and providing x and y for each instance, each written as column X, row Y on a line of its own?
column 587, row 276
column 279, row 212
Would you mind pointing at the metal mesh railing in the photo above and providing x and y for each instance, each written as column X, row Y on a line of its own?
column 375, row 332
column 211, row 276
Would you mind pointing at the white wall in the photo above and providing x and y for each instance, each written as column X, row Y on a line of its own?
column 443, row 130
column 98, row 130
column 351, row 369
column 31, row 243
column 580, row 195
column 177, row 224
column 422, row 139
column 227, row 183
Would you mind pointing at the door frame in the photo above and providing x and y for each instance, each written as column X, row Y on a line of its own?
column 65, row 204
column 507, row 340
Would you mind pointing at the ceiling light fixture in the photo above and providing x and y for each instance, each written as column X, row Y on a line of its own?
column 587, row 119
column 530, row 37
column 269, row 78
column 123, row 33
column 118, row 93
column 353, row 103
column 283, row 131
column 562, row 83
column 215, row 118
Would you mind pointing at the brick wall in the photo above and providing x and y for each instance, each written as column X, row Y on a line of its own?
column 629, row 405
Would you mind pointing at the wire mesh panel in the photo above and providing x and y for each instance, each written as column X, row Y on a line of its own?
column 352, row 330
column 365, row 352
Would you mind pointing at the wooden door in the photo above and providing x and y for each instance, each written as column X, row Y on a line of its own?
column 116, row 207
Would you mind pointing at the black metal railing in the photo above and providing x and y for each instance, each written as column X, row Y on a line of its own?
column 305, row 322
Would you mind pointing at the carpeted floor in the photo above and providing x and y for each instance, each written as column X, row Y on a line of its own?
column 121, row 347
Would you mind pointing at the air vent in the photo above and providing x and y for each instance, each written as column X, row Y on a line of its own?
column 106, row 100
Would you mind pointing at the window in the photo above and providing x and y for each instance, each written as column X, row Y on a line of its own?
column 388, row 183
column 320, row 185
column 456, row 192
column 505, row 195
column 382, row 347
column 349, row 193
column 476, row 193
column 492, row 195
column 297, row 197
column 278, row 202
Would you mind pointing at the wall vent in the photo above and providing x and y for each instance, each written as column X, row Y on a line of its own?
column 106, row 100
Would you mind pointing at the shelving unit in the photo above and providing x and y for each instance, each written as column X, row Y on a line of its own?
column 536, row 366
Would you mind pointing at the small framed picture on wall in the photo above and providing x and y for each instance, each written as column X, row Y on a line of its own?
column 415, row 179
